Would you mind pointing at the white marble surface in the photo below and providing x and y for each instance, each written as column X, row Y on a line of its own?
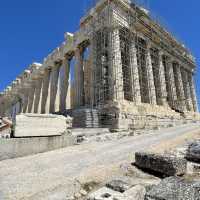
column 33, row 125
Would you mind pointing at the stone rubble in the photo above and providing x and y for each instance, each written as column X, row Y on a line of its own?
column 193, row 168
column 137, row 193
column 175, row 188
column 137, row 185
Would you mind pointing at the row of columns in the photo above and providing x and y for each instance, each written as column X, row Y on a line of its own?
column 169, row 84
column 174, row 84
column 48, row 93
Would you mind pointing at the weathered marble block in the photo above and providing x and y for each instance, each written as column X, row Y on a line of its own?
column 118, row 185
column 193, row 152
column 162, row 164
column 38, row 125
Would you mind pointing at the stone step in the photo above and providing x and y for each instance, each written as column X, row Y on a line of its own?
column 87, row 118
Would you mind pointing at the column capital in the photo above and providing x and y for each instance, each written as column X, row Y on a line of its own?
column 149, row 44
column 78, row 49
column 66, row 59
column 177, row 62
column 160, row 52
column 58, row 64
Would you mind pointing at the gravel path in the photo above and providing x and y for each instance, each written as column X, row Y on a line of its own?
column 46, row 176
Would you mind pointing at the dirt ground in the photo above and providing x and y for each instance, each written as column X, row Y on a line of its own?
column 54, row 175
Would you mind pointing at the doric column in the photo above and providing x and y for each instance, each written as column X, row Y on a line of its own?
column 136, row 95
column 54, row 88
column 162, row 81
column 24, row 95
column 93, row 58
column 193, row 92
column 179, row 88
column 117, row 88
column 172, row 96
column 45, row 92
column 187, row 92
column 2, row 108
column 57, row 101
column 31, row 97
column 38, row 88
column 79, row 78
column 64, row 84
column 150, row 78
column 20, row 102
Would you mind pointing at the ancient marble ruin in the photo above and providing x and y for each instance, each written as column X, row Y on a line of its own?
column 121, row 69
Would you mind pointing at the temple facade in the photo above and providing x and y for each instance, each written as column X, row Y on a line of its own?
column 121, row 69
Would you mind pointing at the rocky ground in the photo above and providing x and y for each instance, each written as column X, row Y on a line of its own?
column 94, row 168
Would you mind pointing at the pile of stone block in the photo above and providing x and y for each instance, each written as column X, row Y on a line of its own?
column 178, row 184
column 172, row 166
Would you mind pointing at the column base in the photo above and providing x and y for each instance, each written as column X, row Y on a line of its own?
column 126, row 115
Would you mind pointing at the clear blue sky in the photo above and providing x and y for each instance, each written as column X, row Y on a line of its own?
column 30, row 29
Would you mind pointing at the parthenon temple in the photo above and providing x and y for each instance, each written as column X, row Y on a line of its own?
column 121, row 69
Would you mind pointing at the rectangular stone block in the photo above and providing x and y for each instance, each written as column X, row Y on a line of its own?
column 39, row 125
column 193, row 152
column 162, row 164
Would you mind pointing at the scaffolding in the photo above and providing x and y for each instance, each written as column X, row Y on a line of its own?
column 106, row 75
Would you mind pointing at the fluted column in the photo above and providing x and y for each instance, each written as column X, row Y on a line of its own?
column 24, row 95
column 172, row 96
column 150, row 78
column 117, row 89
column 180, row 89
column 45, row 92
column 93, row 49
column 162, row 80
column 2, row 108
column 1, row 105
column 38, row 89
column 54, row 87
column 20, row 102
column 79, row 78
column 64, row 84
column 31, row 97
column 186, row 86
column 193, row 92
column 136, row 95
